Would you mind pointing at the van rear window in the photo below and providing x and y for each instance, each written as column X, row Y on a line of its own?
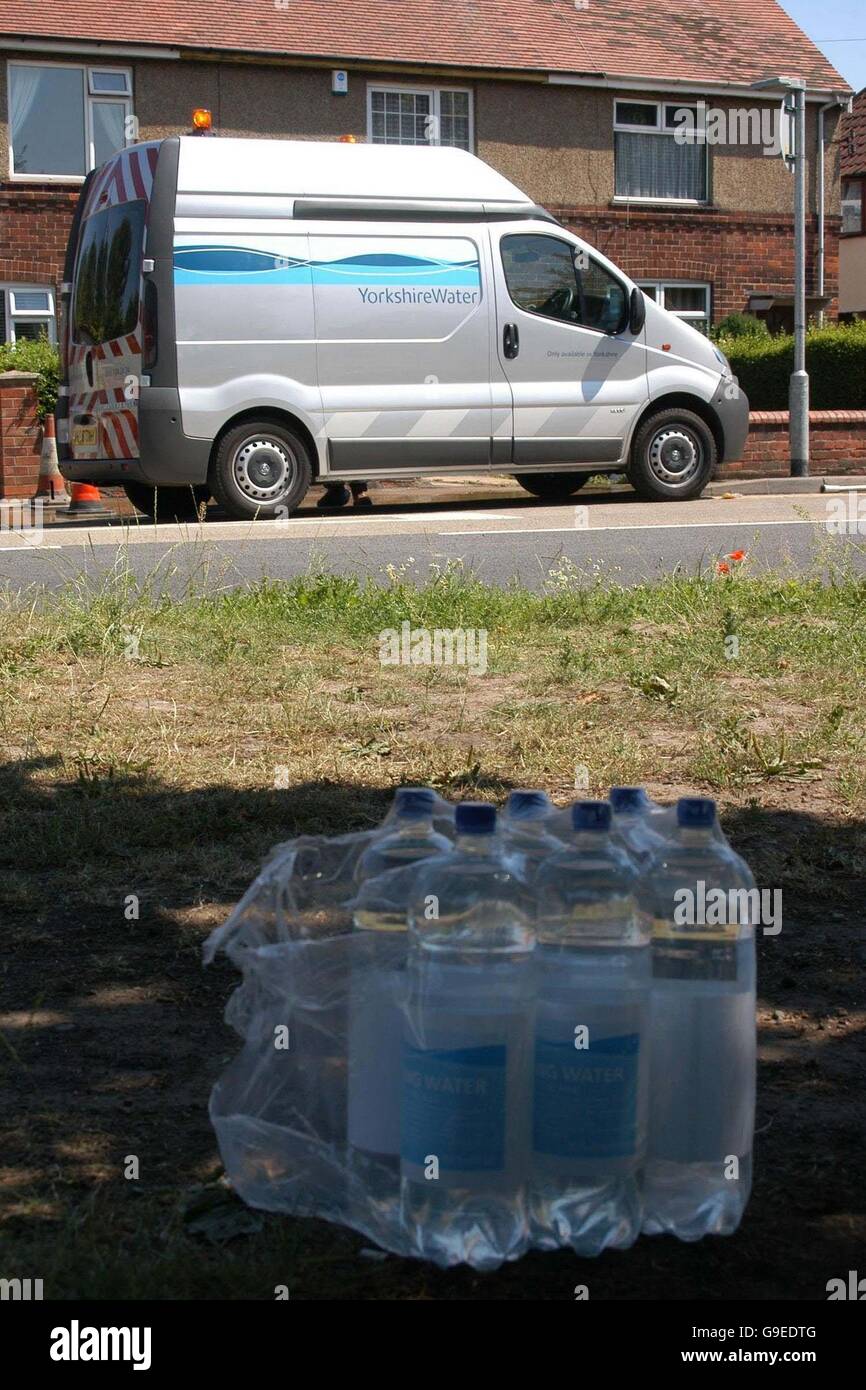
column 108, row 274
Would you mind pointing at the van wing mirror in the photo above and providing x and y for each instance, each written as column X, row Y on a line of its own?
column 636, row 311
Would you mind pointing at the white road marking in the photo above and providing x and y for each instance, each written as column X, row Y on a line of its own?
column 647, row 526
column 31, row 548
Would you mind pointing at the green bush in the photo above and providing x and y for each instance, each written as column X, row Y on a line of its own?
column 835, row 360
column 741, row 326
column 38, row 356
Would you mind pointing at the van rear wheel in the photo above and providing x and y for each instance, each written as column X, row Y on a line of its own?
column 167, row 503
column 260, row 469
column 673, row 457
column 552, row 487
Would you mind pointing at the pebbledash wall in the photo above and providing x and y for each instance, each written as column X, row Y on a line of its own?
column 838, row 441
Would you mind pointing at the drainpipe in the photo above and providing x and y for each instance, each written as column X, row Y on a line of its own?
column 845, row 103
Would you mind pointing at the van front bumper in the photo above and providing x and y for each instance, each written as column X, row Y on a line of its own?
column 731, row 405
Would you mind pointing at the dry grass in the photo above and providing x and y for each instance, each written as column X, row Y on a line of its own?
column 158, row 749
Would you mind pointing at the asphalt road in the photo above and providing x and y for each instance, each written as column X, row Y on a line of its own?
column 501, row 537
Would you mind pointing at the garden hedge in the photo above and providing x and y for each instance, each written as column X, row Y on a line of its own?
column 835, row 360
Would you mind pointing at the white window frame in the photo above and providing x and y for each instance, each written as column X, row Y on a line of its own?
column 434, row 93
column 659, row 286
column 89, row 98
column 658, row 129
column 47, row 316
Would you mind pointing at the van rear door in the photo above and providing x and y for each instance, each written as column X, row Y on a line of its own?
column 104, row 329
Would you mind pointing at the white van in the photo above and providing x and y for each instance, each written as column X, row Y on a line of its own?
column 247, row 317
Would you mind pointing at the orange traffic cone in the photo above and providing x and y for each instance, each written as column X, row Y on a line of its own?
column 51, row 487
column 86, row 501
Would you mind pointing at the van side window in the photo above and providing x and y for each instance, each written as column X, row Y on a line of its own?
column 542, row 278
column 108, row 277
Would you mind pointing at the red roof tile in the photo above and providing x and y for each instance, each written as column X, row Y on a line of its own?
column 686, row 40
column 852, row 138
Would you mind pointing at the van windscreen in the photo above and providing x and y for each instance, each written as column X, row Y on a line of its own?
column 108, row 274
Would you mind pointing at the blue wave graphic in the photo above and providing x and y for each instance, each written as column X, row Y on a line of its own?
column 234, row 265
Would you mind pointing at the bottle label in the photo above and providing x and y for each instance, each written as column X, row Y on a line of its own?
column 694, row 952
column 454, row 1107
column 586, row 1102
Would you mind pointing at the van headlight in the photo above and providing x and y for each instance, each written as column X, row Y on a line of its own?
column 722, row 359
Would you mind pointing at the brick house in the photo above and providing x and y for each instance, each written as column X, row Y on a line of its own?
column 576, row 101
column 852, row 248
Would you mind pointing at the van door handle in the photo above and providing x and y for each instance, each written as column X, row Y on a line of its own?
column 88, row 366
column 510, row 340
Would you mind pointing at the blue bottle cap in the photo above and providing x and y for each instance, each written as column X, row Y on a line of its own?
column 625, row 799
column 591, row 815
column 415, row 803
column 525, row 805
column 696, row 812
column 474, row 818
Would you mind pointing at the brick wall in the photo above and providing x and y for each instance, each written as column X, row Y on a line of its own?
column 837, row 445
column 20, row 435
column 737, row 253
column 34, row 228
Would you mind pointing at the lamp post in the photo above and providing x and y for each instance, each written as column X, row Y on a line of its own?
column 798, row 387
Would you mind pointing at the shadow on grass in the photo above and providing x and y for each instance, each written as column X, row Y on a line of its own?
column 113, row 1036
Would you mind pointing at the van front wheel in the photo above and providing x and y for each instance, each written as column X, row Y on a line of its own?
column 673, row 457
column 261, row 469
column 552, row 487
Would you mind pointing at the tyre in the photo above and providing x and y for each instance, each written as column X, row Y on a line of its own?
column 552, row 487
column 260, row 469
column 673, row 457
column 167, row 503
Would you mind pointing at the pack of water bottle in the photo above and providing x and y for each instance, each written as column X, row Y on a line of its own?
column 470, row 1033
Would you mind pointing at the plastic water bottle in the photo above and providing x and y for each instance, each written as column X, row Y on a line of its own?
column 699, row 1167
column 410, row 837
column 591, row 1043
column 524, row 831
column 378, row 965
column 467, row 1052
column 637, row 822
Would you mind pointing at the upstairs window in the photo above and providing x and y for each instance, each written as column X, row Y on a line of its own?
column 420, row 116
column 853, row 207
column 650, row 162
column 66, row 120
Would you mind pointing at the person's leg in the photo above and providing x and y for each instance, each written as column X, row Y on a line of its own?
column 335, row 495
column 360, row 494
